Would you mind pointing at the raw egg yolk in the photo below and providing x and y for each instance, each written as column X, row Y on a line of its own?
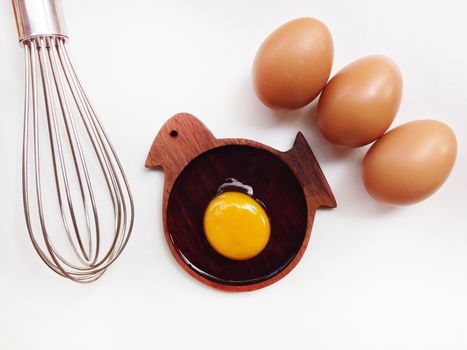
column 236, row 226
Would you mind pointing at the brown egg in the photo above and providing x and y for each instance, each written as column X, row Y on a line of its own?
column 293, row 64
column 360, row 102
column 410, row 162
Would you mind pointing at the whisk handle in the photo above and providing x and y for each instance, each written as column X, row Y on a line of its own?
column 39, row 18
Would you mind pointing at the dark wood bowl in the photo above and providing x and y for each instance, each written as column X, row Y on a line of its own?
column 290, row 184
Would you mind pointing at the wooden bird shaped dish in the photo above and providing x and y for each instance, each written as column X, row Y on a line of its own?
column 290, row 185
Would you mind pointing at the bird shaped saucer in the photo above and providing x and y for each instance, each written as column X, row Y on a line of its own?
column 279, row 194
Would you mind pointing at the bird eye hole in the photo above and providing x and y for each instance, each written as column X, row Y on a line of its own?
column 173, row 133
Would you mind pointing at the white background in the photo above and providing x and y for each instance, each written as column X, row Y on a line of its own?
column 373, row 277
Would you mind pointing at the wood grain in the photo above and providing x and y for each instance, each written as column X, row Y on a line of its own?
column 290, row 184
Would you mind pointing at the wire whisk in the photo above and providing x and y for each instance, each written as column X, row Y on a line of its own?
column 67, row 156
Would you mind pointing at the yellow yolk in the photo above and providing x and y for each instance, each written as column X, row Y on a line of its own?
column 236, row 226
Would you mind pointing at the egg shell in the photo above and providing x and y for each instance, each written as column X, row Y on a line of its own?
column 410, row 162
column 360, row 102
column 293, row 64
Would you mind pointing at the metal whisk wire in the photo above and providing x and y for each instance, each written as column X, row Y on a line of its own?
column 47, row 60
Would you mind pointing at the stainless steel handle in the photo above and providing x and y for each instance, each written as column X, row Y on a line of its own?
column 39, row 18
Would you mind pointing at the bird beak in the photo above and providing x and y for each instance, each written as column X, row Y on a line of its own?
column 153, row 160
column 152, row 163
